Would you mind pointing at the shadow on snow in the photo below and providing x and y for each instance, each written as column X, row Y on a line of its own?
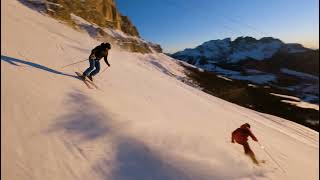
column 16, row 62
column 131, row 159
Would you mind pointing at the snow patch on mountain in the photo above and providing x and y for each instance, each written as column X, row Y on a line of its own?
column 302, row 104
column 257, row 50
column 299, row 74
column 219, row 70
column 297, row 101
column 286, row 96
column 214, row 50
column 258, row 79
column 222, row 77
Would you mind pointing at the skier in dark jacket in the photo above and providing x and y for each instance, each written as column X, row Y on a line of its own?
column 97, row 53
column 240, row 135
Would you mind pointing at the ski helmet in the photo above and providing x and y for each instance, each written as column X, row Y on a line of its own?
column 246, row 125
column 107, row 45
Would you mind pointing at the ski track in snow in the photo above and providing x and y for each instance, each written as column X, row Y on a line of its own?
column 144, row 125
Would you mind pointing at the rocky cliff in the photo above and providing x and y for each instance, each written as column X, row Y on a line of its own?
column 104, row 13
column 100, row 18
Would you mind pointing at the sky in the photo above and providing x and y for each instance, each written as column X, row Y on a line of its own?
column 180, row 24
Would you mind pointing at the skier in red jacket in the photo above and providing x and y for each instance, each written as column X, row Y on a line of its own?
column 240, row 135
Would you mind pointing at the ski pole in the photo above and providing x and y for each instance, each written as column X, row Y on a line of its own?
column 262, row 147
column 74, row 63
column 103, row 71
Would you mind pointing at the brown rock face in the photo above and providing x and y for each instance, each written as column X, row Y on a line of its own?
column 127, row 27
column 101, row 12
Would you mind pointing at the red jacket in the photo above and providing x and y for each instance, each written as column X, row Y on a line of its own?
column 241, row 134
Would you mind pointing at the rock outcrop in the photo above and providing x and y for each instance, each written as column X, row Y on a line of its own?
column 98, row 18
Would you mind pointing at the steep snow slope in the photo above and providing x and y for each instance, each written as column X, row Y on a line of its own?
column 144, row 124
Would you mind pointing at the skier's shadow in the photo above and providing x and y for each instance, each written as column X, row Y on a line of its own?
column 16, row 62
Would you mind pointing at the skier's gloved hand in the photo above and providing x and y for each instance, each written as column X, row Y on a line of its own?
column 106, row 61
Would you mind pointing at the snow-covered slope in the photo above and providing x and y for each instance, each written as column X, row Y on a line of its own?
column 143, row 124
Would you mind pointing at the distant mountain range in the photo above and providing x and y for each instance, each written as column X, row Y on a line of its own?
column 267, row 61
column 242, row 48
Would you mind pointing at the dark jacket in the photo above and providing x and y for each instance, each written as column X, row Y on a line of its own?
column 241, row 135
column 100, row 52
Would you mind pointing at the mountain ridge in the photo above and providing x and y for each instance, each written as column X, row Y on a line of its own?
column 241, row 48
column 266, row 61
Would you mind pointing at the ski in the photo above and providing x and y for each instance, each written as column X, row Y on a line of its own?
column 262, row 161
column 92, row 83
column 84, row 80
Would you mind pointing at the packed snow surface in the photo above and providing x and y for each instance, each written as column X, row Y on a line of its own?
column 142, row 124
